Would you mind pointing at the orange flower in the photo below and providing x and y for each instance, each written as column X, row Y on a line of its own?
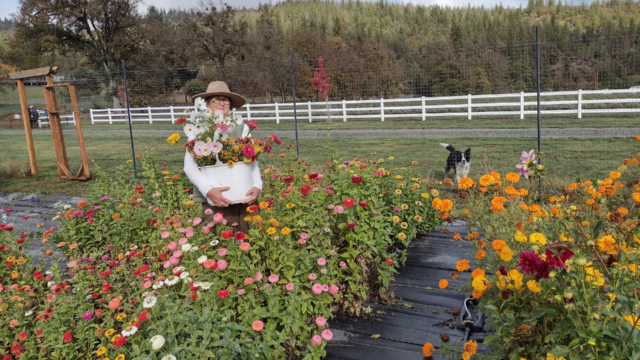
column 477, row 294
column 462, row 265
column 512, row 177
column 115, row 216
column 245, row 246
column 471, row 347
column 427, row 349
column 447, row 205
column 477, row 272
column 443, row 284
column 456, row 236
column 82, row 204
column 257, row 325
column 114, row 303
column 482, row 244
column 481, row 254
column 623, row 210
column 454, row 275
column 519, row 226
column 498, row 244
column 638, row 137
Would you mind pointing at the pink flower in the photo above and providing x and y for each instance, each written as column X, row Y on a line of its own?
column 210, row 264
column 304, row 236
column 183, row 241
column 324, row 271
column 325, row 287
column 249, row 151
column 327, row 229
column 189, row 233
column 167, row 264
column 222, row 252
column 290, row 287
column 177, row 254
column 217, row 218
column 331, row 206
column 165, row 235
column 312, row 276
column 258, row 276
column 327, row 334
column 222, row 265
column 526, row 160
column 208, row 211
column 205, row 230
column 317, row 289
column 147, row 284
column 197, row 220
column 172, row 246
column 322, row 262
column 174, row 261
column 241, row 291
column 316, row 340
column 333, row 289
column 339, row 209
column 320, row 321
column 257, row 325
column 88, row 315
column 273, row 278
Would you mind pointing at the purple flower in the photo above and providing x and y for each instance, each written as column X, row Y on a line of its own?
column 88, row 315
column 110, row 247
column 397, row 210
column 105, row 257
column 104, row 198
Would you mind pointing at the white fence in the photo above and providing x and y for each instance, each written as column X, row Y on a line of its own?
column 65, row 119
column 517, row 104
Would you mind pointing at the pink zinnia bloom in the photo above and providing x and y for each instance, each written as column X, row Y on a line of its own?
column 325, row 287
column 249, row 281
column 331, row 206
column 197, row 220
column 167, row 264
column 147, row 284
column 320, row 321
column 339, row 209
column 327, row 229
column 257, row 325
column 327, row 334
column 258, row 276
column 249, row 151
column 217, row 218
column 210, row 263
column 312, row 276
column 174, row 261
column 316, row 340
column 324, row 271
column 165, row 235
column 273, row 278
column 88, row 315
column 241, row 292
column 322, row 262
column 208, row 211
column 333, row 289
column 289, row 286
column 205, row 230
column 222, row 252
column 304, row 236
column 172, row 246
column 189, row 233
column 222, row 265
column 177, row 254
column 183, row 241
column 317, row 289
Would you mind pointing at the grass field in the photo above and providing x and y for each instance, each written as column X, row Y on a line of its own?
column 566, row 159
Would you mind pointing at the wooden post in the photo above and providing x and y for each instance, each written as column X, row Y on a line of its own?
column 76, row 116
column 27, row 127
column 56, row 128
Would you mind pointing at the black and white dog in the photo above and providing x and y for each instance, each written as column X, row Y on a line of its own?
column 458, row 161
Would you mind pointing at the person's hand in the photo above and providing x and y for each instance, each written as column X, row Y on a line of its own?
column 215, row 194
column 252, row 194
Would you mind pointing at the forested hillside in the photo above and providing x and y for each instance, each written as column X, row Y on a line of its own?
column 372, row 49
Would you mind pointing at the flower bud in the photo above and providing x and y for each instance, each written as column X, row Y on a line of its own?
column 568, row 295
column 581, row 261
column 534, row 247
column 552, row 274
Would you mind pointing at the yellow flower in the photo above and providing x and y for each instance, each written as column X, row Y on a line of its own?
column 632, row 319
column 614, row 175
column 169, row 183
column 230, row 163
column 189, row 203
column 533, row 286
column 425, row 195
column 271, row 230
column 396, row 219
column 173, row 138
column 402, row 236
column 121, row 316
column 471, row 347
column 390, row 157
column 517, row 279
column 290, row 205
column 129, row 160
column 434, row 192
column 506, row 254
column 606, row 244
column 285, row 231
column 109, row 332
column 551, row 357
column 520, row 237
column 264, row 205
column 636, row 197
column 120, row 357
column 398, row 177
column 466, row 183
column 480, row 283
column 404, row 225
column 398, row 191
column 404, row 206
column 101, row 351
column 537, row 238
column 487, row 180
column 14, row 274
column 418, row 218
column 11, row 258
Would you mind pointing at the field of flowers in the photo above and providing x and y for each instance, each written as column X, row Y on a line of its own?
column 557, row 275
column 150, row 277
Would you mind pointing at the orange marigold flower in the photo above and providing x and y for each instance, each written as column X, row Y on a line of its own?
column 477, row 272
column 447, row 205
column 623, row 210
column 466, row 183
column 487, row 180
column 615, row 175
column 466, row 356
column 477, row 294
column 456, row 236
column 454, row 275
column 427, row 350
column 638, row 137
column 448, row 182
column 115, row 216
column 443, row 284
column 590, row 202
column 82, row 204
column 512, row 177
column 471, row 347
column 523, row 206
column 481, row 254
column 572, row 186
column 511, row 190
column 519, row 226
column 482, row 244
column 610, row 191
column 498, row 244
column 636, row 197
column 462, row 265
column 496, row 175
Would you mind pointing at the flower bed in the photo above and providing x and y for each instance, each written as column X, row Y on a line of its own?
column 558, row 275
column 149, row 277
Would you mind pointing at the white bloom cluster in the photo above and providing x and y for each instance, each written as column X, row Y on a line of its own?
column 204, row 119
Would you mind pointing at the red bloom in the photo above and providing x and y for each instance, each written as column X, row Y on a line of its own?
column 227, row 234
column 67, row 337
column 556, row 249
column 163, row 256
column 119, row 341
column 313, row 175
column 144, row 268
column 288, row 179
column 143, row 316
column 25, row 218
column 137, row 324
column 502, row 270
column 349, row 202
column 329, row 192
column 91, row 220
column 531, row 263
column 23, row 336
column 252, row 124
column 194, row 295
column 253, row 208
column 356, row 179
column 239, row 235
column 181, row 120
column 351, row 224
column 305, row 189
column 20, row 241
column 389, row 261
column 15, row 346
column 363, row 203
column 223, row 293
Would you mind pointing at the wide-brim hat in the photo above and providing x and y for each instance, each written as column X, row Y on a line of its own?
column 220, row 88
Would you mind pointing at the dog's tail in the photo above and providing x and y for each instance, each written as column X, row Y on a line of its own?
column 447, row 146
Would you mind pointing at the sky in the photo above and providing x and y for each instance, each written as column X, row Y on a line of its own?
column 8, row 7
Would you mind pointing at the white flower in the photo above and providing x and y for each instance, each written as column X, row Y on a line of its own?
column 189, row 130
column 202, row 259
column 48, row 272
column 184, row 275
column 171, row 280
column 147, row 293
column 197, row 283
column 28, row 313
column 169, row 357
column 56, row 218
column 186, row 247
column 157, row 342
column 200, row 129
column 194, row 249
column 149, row 302
column 206, row 286
column 214, row 147
column 187, row 280
column 192, row 116
column 214, row 242
column 224, row 136
column 200, row 104
column 89, row 297
column 129, row 330
column 238, row 118
column 67, row 207
column 159, row 285
column 133, row 247
column 51, row 283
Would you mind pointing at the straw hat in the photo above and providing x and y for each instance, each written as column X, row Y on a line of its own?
column 220, row 88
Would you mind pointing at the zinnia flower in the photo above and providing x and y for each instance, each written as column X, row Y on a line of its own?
column 273, row 278
column 316, row 340
column 289, row 286
column 320, row 321
column 257, row 325
column 327, row 334
column 157, row 342
column 317, row 289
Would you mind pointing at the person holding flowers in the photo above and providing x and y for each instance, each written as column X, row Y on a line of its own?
column 219, row 100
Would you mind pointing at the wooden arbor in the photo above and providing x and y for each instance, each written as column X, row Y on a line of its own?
column 54, row 122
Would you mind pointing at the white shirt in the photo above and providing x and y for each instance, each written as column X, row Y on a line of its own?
column 201, row 182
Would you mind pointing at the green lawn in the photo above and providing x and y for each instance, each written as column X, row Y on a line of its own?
column 566, row 159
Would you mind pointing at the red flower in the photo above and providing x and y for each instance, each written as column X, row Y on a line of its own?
column 328, row 192
column 137, row 324
column 389, row 261
column 223, row 293
column 119, row 341
column 253, row 208
column 351, row 224
column 144, row 268
column 227, row 234
column 67, row 337
column 163, row 256
column 356, row 179
column 194, row 295
column 181, row 120
column 25, row 218
column 502, row 270
column 363, row 203
column 305, row 189
column 313, row 175
column 288, row 179
column 252, row 124
column 91, row 220
column 143, row 315
column 20, row 241
column 15, row 346
column 23, row 336
column 239, row 235
column 560, row 249
column 349, row 202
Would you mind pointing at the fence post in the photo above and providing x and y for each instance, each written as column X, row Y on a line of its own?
column 521, row 105
column 468, row 106
column 344, row 110
column 381, row 109
column 579, row 103
column 173, row 121
column 248, row 112
column 309, row 109
column 150, row 118
column 110, row 119
column 91, row 111
column 424, row 110
column 277, row 115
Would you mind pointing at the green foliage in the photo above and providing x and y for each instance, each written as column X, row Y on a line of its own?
column 194, row 86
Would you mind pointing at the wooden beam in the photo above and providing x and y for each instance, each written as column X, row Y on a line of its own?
column 56, row 131
column 27, row 127
column 43, row 71
column 76, row 115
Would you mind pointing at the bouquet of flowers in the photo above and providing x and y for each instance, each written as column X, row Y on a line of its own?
column 211, row 142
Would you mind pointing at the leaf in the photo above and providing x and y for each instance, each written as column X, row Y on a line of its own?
column 375, row 336
column 491, row 338
column 560, row 350
column 429, row 288
column 597, row 229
